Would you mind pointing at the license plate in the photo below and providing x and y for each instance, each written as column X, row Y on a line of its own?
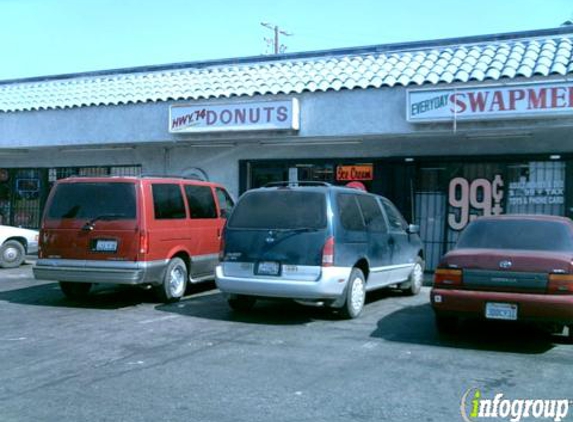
column 268, row 268
column 105, row 246
column 506, row 311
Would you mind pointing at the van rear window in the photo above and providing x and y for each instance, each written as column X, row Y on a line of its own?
column 280, row 210
column 93, row 199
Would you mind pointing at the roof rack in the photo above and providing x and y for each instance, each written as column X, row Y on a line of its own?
column 171, row 176
column 292, row 184
column 141, row 176
column 92, row 176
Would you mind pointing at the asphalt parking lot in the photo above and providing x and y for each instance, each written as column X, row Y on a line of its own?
column 122, row 357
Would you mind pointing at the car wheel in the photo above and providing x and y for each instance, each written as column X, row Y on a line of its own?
column 446, row 324
column 241, row 303
column 416, row 279
column 569, row 336
column 12, row 254
column 75, row 291
column 355, row 295
column 174, row 282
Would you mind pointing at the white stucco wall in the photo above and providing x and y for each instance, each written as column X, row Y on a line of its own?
column 372, row 120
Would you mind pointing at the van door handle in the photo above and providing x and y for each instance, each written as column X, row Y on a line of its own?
column 219, row 233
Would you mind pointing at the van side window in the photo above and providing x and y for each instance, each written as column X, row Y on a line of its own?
column 225, row 202
column 167, row 201
column 397, row 222
column 372, row 213
column 201, row 201
column 350, row 216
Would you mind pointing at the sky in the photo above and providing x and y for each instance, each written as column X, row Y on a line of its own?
column 53, row 37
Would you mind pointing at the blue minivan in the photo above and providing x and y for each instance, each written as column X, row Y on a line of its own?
column 317, row 244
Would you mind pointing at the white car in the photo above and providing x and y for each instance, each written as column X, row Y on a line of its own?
column 15, row 244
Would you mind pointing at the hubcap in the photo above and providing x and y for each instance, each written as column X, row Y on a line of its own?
column 417, row 276
column 10, row 254
column 357, row 295
column 177, row 281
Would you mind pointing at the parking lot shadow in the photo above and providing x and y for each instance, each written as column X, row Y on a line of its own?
column 202, row 301
column 415, row 325
column 104, row 297
column 212, row 305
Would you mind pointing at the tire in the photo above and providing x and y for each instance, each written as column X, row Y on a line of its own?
column 446, row 324
column 241, row 303
column 355, row 295
column 174, row 282
column 569, row 336
column 75, row 291
column 415, row 280
column 12, row 254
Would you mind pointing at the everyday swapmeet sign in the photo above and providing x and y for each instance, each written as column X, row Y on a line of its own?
column 492, row 102
column 231, row 117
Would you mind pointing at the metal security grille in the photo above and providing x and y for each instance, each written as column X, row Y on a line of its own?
column 430, row 212
column 23, row 192
column 21, row 197
column 63, row 172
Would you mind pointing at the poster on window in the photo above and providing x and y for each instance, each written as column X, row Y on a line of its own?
column 469, row 199
column 543, row 192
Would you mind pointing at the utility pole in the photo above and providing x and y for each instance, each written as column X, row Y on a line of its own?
column 277, row 46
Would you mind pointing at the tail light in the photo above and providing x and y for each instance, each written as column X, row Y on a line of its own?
column 446, row 277
column 560, row 284
column 328, row 253
column 143, row 242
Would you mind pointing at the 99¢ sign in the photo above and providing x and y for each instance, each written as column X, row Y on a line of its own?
column 480, row 194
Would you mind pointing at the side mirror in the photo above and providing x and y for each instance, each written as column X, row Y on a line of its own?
column 225, row 213
column 413, row 229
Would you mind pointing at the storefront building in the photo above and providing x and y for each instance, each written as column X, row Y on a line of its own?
column 448, row 130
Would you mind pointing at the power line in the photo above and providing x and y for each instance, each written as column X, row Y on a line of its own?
column 277, row 32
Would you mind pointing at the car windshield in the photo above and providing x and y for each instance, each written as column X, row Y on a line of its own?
column 280, row 210
column 517, row 234
column 93, row 200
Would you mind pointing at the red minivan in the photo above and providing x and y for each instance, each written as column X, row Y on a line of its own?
column 153, row 231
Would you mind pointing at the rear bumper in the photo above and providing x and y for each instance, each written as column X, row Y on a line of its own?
column 330, row 285
column 110, row 272
column 531, row 307
column 32, row 248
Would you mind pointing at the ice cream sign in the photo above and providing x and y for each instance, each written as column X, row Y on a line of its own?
column 490, row 102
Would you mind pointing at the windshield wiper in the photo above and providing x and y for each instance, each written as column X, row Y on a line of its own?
column 287, row 234
column 89, row 226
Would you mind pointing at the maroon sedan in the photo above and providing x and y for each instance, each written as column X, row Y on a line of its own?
column 511, row 267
